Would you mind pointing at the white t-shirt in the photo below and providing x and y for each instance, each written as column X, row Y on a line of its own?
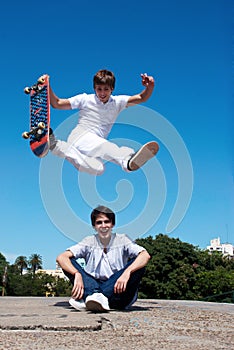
column 95, row 115
column 102, row 265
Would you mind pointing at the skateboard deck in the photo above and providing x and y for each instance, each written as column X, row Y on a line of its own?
column 145, row 153
column 39, row 110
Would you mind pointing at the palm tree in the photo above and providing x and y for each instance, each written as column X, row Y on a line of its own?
column 21, row 262
column 35, row 261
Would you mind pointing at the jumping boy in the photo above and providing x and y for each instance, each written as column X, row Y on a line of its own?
column 87, row 146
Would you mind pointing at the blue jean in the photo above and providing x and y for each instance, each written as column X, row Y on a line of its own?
column 92, row 285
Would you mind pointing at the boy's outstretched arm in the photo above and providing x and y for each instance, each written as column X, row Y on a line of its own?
column 148, row 82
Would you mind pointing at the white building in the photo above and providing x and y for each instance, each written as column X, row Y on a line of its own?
column 58, row 271
column 224, row 248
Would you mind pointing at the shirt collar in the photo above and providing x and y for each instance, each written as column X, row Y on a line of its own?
column 109, row 244
column 100, row 102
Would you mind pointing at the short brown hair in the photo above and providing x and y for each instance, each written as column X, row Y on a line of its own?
column 102, row 210
column 104, row 76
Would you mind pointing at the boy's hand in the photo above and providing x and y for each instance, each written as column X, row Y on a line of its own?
column 121, row 283
column 78, row 287
column 147, row 81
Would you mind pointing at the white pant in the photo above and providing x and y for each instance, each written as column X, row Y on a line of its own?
column 84, row 149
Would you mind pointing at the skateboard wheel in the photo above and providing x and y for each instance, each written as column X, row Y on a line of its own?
column 41, row 80
column 25, row 135
column 41, row 125
column 27, row 90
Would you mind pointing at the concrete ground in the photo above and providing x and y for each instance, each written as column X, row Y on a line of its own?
column 50, row 323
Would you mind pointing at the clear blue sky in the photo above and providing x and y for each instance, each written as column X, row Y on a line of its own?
column 186, row 46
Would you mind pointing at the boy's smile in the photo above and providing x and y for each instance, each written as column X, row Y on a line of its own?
column 103, row 92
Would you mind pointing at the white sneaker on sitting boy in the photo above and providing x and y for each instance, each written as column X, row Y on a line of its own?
column 97, row 302
column 77, row 304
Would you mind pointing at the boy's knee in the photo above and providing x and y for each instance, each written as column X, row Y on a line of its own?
column 94, row 170
column 93, row 166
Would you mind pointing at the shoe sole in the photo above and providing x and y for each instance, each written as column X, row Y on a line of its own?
column 145, row 153
column 92, row 305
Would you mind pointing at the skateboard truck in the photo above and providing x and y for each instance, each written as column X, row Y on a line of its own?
column 36, row 87
column 37, row 131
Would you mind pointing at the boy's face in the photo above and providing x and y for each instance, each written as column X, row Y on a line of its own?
column 103, row 92
column 103, row 226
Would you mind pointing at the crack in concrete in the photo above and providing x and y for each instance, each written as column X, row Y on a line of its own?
column 51, row 328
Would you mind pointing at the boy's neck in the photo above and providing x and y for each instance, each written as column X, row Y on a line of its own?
column 105, row 240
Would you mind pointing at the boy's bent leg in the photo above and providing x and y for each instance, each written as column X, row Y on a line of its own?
column 121, row 300
column 92, row 145
column 113, row 153
column 80, row 161
column 90, row 284
column 88, row 165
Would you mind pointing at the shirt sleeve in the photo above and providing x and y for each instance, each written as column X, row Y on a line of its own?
column 78, row 250
column 77, row 101
column 132, row 248
column 121, row 101
column 83, row 248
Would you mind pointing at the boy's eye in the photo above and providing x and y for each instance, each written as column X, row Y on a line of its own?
column 99, row 222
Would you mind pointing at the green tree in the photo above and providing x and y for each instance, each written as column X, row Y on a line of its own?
column 37, row 285
column 218, row 282
column 170, row 273
column 3, row 273
column 179, row 270
column 35, row 262
column 3, row 261
column 21, row 263
column 63, row 287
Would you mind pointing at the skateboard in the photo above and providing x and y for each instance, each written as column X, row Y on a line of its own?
column 39, row 117
column 145, row 153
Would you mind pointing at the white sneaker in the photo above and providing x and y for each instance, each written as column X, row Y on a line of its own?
column 145, row 153
column 77, row 304
column 97, row 302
